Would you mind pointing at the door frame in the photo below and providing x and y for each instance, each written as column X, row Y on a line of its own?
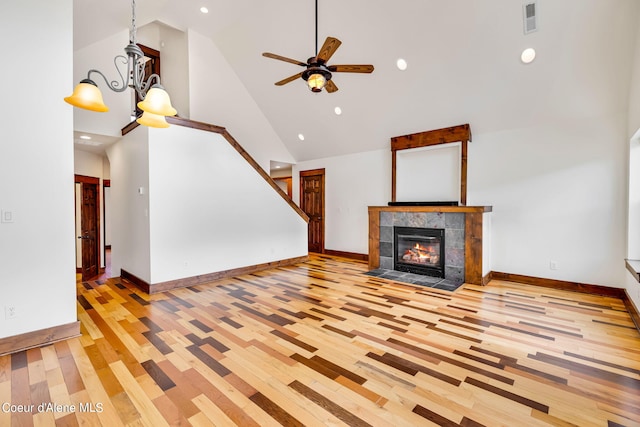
column 106, row 183
column 315, row 172
column 89, row 180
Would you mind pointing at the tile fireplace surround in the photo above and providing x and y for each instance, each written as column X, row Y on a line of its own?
column 467, row 236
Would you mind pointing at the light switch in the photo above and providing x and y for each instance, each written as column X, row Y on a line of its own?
column 6, row 217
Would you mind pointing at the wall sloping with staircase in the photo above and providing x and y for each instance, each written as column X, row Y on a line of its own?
column 190, row 205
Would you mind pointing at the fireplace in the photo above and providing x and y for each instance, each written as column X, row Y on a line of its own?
column 419, row 250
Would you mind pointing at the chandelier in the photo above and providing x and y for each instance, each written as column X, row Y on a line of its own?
column 155, row 104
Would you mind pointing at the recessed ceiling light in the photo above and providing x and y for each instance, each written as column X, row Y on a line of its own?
column 401, row 64
column 528, row 55
column 301, row 137
column 85, row 137
column 204, row 10
column 90, row 143
column 338, row 110
column 278, row 167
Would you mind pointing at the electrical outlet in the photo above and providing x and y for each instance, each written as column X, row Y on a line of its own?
column 553, row 265
column 10, row 311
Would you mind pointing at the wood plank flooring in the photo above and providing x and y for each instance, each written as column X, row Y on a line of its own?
column 321, row 343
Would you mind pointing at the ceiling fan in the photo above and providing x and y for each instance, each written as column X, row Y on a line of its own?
column 318, row 72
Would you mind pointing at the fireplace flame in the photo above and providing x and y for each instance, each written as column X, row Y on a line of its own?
column 421, row 254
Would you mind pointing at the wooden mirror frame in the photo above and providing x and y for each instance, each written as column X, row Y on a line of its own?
column 460, row 133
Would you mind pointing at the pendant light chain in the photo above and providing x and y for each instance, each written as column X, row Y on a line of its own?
column 132, row 33
column 316, row 28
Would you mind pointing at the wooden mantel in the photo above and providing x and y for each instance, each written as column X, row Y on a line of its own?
column 473, row 242
column 461, row 209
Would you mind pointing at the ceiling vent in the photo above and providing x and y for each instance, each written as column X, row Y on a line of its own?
column 530, row 17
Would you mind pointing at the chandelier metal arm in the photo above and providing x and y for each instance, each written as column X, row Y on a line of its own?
column 137, row 80
column 140, row 85
column 114, row 85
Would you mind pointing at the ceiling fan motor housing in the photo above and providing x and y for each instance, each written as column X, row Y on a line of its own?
column 316, row 68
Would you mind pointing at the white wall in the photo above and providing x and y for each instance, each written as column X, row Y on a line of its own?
column 429, row 173
column 218, row 97
column 37, row 267
column 129, row 159
column 213, row 211
column 88, row 164
column 204, row 209
column 174, row 61
column 100, row 56
column 352, row 183
column 558, row 193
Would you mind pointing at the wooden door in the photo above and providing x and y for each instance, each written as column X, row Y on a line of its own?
column 312, row 203
column 89, row 230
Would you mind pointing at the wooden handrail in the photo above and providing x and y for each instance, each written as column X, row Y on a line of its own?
column 179, row 121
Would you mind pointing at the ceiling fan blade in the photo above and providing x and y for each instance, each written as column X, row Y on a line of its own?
column 282, row 58
column 328, row 49
column 289, row 79
column 351, row 68
column 331, row 86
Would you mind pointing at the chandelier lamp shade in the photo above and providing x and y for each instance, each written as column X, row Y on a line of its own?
column 153, row 120
column 155, row 104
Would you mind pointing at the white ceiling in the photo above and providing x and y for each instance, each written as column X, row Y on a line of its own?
column 463, row 56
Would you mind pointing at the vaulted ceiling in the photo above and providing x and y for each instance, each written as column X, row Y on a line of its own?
column 463, row 61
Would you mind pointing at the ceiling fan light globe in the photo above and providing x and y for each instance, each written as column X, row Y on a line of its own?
column 316, row 82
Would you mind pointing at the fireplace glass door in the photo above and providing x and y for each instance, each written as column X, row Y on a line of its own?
column 419, row 250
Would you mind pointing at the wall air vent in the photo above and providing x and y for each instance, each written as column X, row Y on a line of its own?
column 530, row 17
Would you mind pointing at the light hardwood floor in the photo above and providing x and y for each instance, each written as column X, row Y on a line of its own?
column 321, row 343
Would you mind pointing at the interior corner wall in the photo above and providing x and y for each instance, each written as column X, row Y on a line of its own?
column 217, row 96
column 352, row 183
column 174, row 61
column 37, row 267
column 210, row 211
column 129, row 160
